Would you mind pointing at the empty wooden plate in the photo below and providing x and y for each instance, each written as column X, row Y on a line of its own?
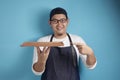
column 43, row 44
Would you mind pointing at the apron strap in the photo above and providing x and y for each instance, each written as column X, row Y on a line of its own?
column 51, row 37
column 70, row 39
column 73, row 51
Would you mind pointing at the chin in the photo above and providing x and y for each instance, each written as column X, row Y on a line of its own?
column 61, row 33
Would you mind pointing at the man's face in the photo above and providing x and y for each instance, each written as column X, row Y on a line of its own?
column 59, row 24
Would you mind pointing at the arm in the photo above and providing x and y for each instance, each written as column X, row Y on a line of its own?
column 86, row 50
column 91, row 60
column 39, row 65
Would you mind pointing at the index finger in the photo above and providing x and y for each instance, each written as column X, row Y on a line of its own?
column 38, row 50
column 46, row 49
column 78, row 44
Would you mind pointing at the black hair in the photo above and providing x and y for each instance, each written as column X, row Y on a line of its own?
column 58, row 10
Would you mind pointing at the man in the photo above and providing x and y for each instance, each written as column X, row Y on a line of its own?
column 61, row 63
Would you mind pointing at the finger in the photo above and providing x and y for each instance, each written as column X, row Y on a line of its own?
column 78, row 43
column 48, row 50
column 38, row 50
column 79, row 47
column 44, row 49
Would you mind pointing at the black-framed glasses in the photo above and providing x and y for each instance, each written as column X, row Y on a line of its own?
column 55, row 21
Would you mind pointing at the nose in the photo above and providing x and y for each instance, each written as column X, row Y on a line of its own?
column 59, row 22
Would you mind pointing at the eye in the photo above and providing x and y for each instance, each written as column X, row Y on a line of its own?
column 63, row 20
column 54, row 21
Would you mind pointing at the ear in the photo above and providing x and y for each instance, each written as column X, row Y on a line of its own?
column 49, row 22
column 67, row 20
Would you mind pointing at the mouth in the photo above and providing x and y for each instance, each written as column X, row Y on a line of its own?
column 59, row 28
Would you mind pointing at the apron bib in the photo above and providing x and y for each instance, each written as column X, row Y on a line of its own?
column 61, row 63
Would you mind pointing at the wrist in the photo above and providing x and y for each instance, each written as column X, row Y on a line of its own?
column 41, row 62
column 90, row 53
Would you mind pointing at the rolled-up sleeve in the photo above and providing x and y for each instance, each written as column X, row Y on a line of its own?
column 35, row 59
column 81, row 56
column 84, row 59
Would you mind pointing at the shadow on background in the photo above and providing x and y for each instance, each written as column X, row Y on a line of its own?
column 117, row 6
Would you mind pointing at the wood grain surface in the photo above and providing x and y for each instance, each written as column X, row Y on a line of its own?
column 42, row 44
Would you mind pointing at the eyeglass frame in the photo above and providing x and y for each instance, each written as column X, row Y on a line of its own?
column 63, row 20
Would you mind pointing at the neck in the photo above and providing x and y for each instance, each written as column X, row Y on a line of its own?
column 60, row 36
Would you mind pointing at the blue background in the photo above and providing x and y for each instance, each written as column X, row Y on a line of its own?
column 96, row 21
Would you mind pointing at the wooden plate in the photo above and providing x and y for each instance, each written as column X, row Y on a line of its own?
column 43, row 44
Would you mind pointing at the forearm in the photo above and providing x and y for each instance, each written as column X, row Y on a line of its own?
column 39, row 66
column 91, row 60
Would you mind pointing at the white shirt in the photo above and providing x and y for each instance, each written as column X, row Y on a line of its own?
column 74, row 38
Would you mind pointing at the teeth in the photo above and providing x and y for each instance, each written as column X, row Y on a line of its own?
column 59, row 28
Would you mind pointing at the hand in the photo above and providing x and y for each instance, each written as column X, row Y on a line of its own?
column 43, row 55
column 84, row 49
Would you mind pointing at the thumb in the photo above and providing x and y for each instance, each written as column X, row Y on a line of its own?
column 38, row 50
